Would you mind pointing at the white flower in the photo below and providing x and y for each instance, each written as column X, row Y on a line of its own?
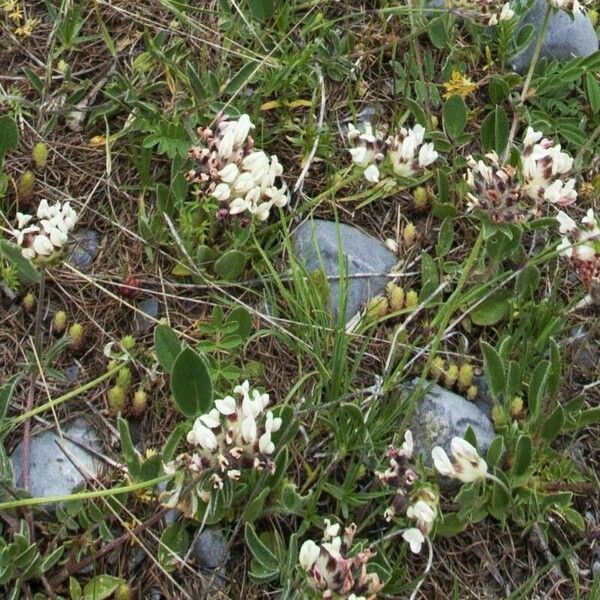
column 331, row 530
column 309, row 553
column 255, row 161
column 506, row 13
column 211, row 419
column 28, row 253
column 421, row 511
column 565, row 248
column 23, row 219
column 408, row 444
column 585, row 252
column 234, row 474
column 415, row 539
column 467, row 466
column 227, row 141
column 590, row 218
column 239, row 205
column 566, row 223
column 265, row 445
column 226, row 406
column 241, row 129
column 244, row 183
column 202, row 436
column 42, row 245
column 261, row 210
column 249, row 429
column 278, row 196
column 559, row 192
column 229, row 173
column 371, row 173
column 243, row 389
column 44, row 211
column 427, row 155
column 361, row 155
column 532, row 137
column 272, row 424
column 221, row 192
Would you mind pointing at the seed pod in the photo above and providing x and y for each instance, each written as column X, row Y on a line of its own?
column 451, row 375
column 76, row 334
column 412, row 299
column 140, row 401
column 116, row 399
column 465, row 376
column 420, row 198
column 128, row 343
column 377, row 307
column 28, row 302
column 472, row 392
column 124, row 377
column 409, row 235
column 123, row 592
column 395, row 296
column 25, row 184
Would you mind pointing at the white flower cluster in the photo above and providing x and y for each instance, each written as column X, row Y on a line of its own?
column 570, row 5
column 235, row 435
column 407, row 153
column 418, row 503
column 46, row 232
column 494, row 189
column 486, row 12
column 544, row 167
column 581, row 244
column 333, row 572
column 230, row 170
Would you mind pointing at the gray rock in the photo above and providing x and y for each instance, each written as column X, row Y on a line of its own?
column 316, row 246
column 565, row 38
column 51, row 473
column 150, row 307
column 210, row 549
column 442, row 415
column 85, row 245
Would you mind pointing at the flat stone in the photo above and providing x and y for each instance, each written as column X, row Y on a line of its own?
column 566, row 37
column 316, row 247
column 150, row 309
column 84, row 248
column 51, row 473
column 442, row 415
column 210, row 549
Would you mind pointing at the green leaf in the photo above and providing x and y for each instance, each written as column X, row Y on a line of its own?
column 500, row 502
column 261, row 9
column 191, row 385
column 554, row 424
column 9, row 135
column 450, row 524
column 74, row 589
column 498, row 89
column 493, row 309
column 455, row 116
column 243, row 319
column 493, row 369
column 488, row 134
column 132, row 459
column 528, row 281
column 417, row 111
column 255, row 508
column 554, row 373
column 170, row 138
column 437, row 32
column 591, row 416
column 523, row 456
column 6, row 392
column 26, row 272
column 259, row 550
column 195, row 83
column 167, row 346
column 231, row 264
column 101, row 587
column 445, row 238
column 592, row 90
column 429, row 276
column 173, row 441
column 573, row 518
column 495, row 451
column 241, row 78
column 174, row 539
column 501, row 129
column 537, row 386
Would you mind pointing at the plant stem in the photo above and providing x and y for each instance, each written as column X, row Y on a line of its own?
column 76, row 392
column 525, row 91
column 125, row 489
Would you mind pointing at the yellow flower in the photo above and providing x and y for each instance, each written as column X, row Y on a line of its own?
column 27, row 28
column 459, row 85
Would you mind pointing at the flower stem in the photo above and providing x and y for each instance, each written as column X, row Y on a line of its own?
column 499, row 482
column 525, row 91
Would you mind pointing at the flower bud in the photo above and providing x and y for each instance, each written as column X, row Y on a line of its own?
column 140, row 401
column 472, row 392
column 28, row 302
column 409, row 235
column 76, row 335
column 434, row 121
column 116, row 399
column 124, row 378
column 59, row 322
column 498, row 417
column 420, row 198
column 516, row 407
column 377, row 307
column 40, row 155
column 438, row 367
column 465, row 376
column 111, row 365
column 412, row 299
column 25, row 184
column 123, row 592
column 128, row 343
column 395, row 296
column 451, row 376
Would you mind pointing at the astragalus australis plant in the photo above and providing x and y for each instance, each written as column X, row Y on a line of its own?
column 337, row 571
column 243, row 179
